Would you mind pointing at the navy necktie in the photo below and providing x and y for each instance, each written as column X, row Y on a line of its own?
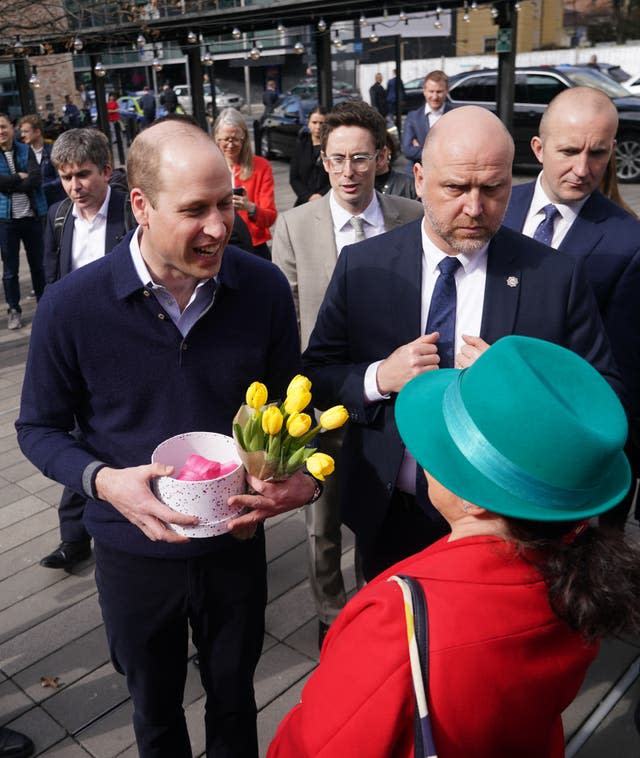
column 442, row 311
column 544, row 232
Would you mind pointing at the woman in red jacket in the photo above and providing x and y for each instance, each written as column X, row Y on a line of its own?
column 253, row 187
column 520, row 449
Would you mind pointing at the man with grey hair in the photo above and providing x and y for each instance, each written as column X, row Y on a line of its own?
column 435, row 294
column 80, row 229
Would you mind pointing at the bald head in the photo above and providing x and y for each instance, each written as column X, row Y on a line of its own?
column 576, row 138
column 465, row 179
column 467, row 131
column 162, row 145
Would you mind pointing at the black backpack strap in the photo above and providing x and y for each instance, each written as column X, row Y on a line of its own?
column 62, row 213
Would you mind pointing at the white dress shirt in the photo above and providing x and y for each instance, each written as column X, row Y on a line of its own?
column 568, row 214
column 344, row 233
column 433, row 116
column 89, row 236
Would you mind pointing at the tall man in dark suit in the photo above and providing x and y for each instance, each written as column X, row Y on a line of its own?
column 576, row 139
column 92, row 224
column 435, row 90
column 306, row 244
column 370, row 339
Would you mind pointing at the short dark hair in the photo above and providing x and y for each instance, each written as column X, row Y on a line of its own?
column 81, row 146
column 33, row 120
column 355, row 113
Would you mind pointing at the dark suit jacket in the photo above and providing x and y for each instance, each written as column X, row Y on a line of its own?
column 607, row 239
column 55, row 267
column 372, row 306
column 417, row 126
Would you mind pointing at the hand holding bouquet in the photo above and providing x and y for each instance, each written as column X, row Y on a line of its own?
column 272, row 439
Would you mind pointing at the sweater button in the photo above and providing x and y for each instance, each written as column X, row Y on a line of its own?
column 161, row 316
column 146, row 293
column 184, row 345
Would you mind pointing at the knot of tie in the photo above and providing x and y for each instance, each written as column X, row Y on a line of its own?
column 544, row 232
column 449, row 265
column 358, row 225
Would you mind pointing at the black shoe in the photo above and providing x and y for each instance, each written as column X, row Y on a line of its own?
column 14, row 745
column 322, row 633
column 66, row 556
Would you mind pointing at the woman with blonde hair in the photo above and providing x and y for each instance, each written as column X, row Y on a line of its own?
column 253, row 186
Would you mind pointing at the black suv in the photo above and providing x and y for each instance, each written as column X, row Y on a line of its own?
column 535, row 88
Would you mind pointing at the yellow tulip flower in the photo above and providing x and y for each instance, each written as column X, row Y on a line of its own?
column 334, row 418
column 299, row 382
column 297, row 400
column 298, row 424
column 256, row 395
column 272, row 420
column 320, row 465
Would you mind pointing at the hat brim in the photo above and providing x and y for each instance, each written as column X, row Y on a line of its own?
column 422, row 426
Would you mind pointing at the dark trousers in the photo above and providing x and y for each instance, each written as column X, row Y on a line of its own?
column 29, row 231
column 70, row 513
column 147, row 605
column 406, row 530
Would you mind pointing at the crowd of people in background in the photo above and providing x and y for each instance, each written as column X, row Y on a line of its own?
column 446, row 312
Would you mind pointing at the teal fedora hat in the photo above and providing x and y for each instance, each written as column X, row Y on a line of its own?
column 530, row 430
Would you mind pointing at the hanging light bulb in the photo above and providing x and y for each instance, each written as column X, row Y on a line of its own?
column 100, row 70
column 34, row 80
column 363, row 20
column 281, row 28
column 402, row 16
column 322, row 25
column 373, row 37
column 494, row 12
column 437, row 23
column 78, row 44
column 465, row 15
column 474, row 6
column 236, row 33
column 18, row 47
column 299, row 48
column 140, row 40
column 156, row 64
column 336, row 40
column 516, row 7
column 255, row 52
column 207, row 59
column 192, row 37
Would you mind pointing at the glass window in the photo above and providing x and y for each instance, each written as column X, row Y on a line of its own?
column 477, row 89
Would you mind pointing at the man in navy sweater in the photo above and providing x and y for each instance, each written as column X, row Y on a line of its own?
column 159, row 338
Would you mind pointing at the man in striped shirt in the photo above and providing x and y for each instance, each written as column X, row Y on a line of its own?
column 22, row 206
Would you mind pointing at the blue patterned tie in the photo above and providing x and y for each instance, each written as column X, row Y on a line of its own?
column 442, row 311
column 544, row 232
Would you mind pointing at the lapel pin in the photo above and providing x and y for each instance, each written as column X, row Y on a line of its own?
column 512, row 281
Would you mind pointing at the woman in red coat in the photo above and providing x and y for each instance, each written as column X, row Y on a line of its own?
column 253, row 186
column 520, row 449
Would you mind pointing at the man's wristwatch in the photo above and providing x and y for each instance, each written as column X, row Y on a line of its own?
column 318, row 490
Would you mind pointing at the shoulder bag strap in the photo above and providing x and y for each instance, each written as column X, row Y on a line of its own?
column 417, row 621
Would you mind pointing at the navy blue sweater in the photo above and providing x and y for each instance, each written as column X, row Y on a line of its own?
column 104, row 352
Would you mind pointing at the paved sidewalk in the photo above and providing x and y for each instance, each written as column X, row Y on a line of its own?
column 51, row 628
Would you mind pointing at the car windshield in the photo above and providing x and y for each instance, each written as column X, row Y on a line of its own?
column 584, row 78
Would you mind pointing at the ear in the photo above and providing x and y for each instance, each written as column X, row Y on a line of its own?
column 536, row 147
column 107, row 172
column 140, row 206
column 418, row 175
column 383, row 158
column 472, row 509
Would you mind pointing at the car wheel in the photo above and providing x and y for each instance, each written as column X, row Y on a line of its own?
column 628, row 158
column 265, row 144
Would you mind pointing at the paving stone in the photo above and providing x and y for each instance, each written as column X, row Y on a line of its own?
column 21, row 471
column 35, row 482
column 11, row 458
column 279, row 668
column 30, row 552
column 111, row 735
column 9, row 494
column 51, row 494
column 272, row 714
column 69, row 664
column 290, row 532
column 26, row 507
column 40, row 727
column 41, row 639
column 13, row 702
column 24, row 530
column 286, row 571
column 289, row 612
column 65, row 749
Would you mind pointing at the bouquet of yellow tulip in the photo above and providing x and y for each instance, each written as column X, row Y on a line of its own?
column 272, row 439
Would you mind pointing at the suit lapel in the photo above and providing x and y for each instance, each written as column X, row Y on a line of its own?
column 585, row 233
column 502, row 289
column 405, row 286
column 66, row 244
column 518, row 207
column 322, row 237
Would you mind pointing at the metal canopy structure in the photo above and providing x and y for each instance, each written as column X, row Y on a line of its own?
column 169, row 25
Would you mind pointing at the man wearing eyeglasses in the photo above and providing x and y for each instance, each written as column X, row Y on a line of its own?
column 306, row 244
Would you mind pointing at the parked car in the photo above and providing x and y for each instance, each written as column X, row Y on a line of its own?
column 223, row 99
column 535, row 88
column 413, row 97
column 633, row 84
column 280, row 128
column 339, row 90
column 612, row 70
